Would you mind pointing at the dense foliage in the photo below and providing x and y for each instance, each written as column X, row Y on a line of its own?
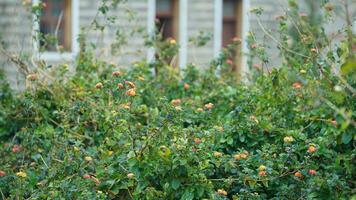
column 150, row 132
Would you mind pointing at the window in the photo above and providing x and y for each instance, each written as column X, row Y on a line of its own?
column 55, row 25
column 58, row 28
column 232, row 26
column 167, row 18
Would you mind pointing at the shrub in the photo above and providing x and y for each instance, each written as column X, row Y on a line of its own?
column 134, row 134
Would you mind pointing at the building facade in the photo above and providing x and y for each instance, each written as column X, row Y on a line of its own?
column 221, row 20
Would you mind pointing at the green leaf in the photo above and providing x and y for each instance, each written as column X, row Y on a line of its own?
column 188, row 195
column 346, row 137
column 349, row 66
column 175, row 184
column 230, row 140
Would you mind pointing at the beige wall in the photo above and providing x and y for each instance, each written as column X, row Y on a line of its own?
column 16, row 25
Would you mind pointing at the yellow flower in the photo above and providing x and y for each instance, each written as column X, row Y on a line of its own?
column 126, row 106
column 288, row 139
column 172, row 42
column 76, row 148
column 303, row 71
column 32, row 77
column 254, row 118
column 131, row 84
column 237, row 156
column 222, row 192
column 131, row 92
column 262, row 168
column 209, row 106
column 130, row 175
column 110, row 153
column 200, row 110
column 21, row 174
column 217, row 154
column 178, row 108
column 88, row 158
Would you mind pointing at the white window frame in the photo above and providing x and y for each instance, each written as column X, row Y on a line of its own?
column 151, row 16
column 183, row 33
column 58, row 56
column 218, row 30
column 182, row 27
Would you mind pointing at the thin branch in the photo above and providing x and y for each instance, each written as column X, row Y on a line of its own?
column 276, row 41
column 57, row 28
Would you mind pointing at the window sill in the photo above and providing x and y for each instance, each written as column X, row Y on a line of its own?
column 55, row 56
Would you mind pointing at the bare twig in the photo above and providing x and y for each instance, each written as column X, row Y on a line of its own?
column 276, row 41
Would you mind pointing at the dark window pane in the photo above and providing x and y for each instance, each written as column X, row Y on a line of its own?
column 55, row 25
column 229, row 8
column 165, row 17
column 229, row 32
column 164, row 6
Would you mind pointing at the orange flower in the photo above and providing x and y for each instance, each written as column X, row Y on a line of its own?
column 99, row 86
column 120, row 86
column 32, row 77
column 262, row 173
column 297, row 85
column 117, row 73
column 229, row 62
column 313, row 50
column 186, row 86
column 298, row 174
column 16, row 148
column 329, row 7
column 86, row 176
column 2, row 173
column 311, row 149
column 131, row 84
column 209, row 106
column 236, row 39
column 197, row 141
column 312, row 172
column 131, row 92
column 200, row 110
column 176, row 102
column 243, row 155
column 237, row 156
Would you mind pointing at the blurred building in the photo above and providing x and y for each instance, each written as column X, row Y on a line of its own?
column 122, row 42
